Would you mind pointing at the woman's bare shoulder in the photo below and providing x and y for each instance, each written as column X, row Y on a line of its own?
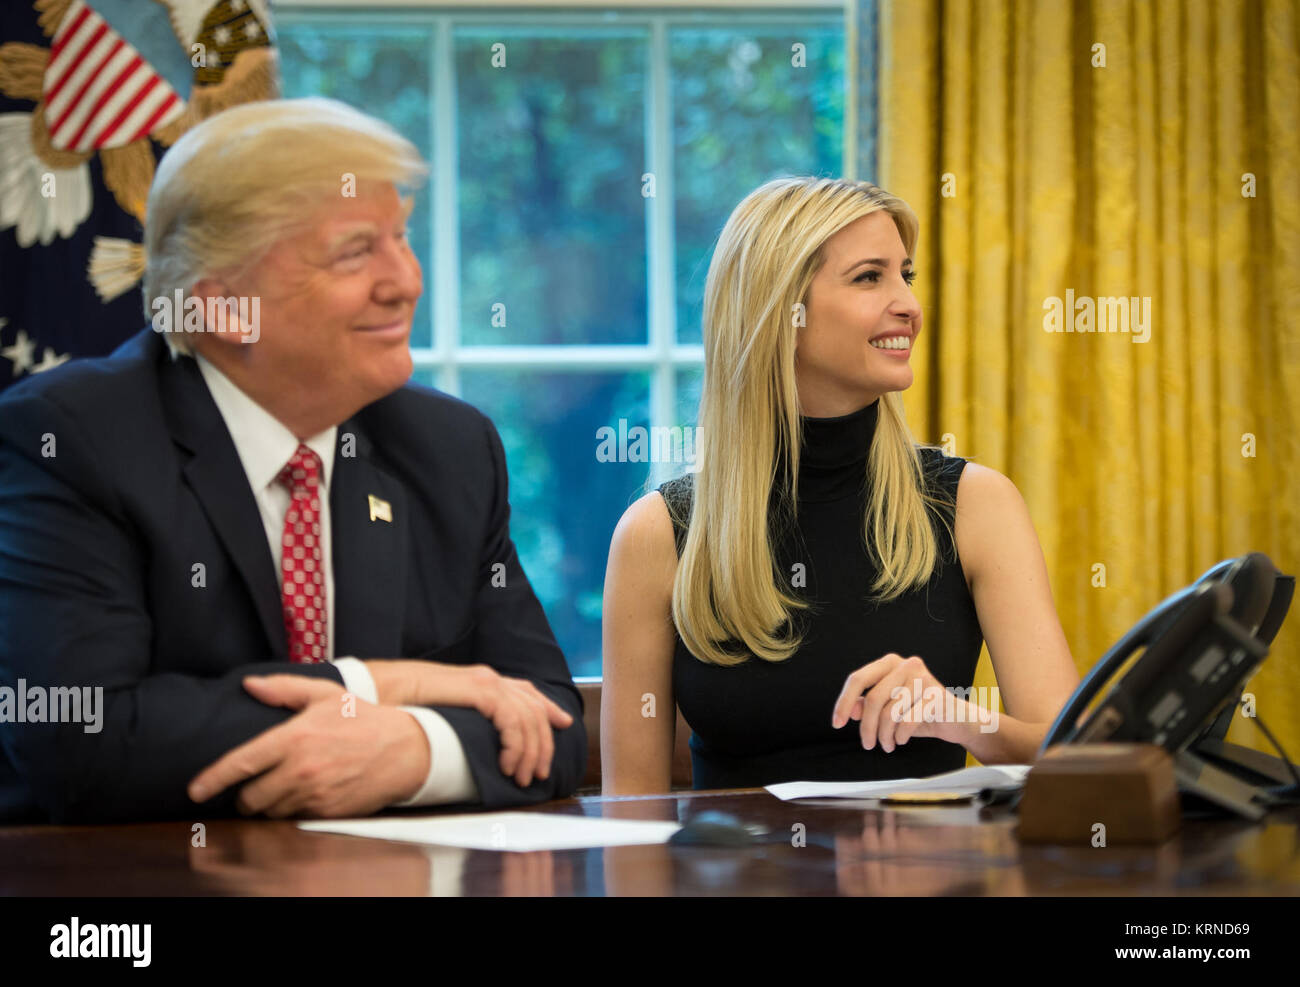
column 645, row 532
column 989, row 507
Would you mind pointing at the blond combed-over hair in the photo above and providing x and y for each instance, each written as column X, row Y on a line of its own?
column 249, row 176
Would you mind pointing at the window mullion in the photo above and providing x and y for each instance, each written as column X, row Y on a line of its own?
column 446, row 234
column 662, row 306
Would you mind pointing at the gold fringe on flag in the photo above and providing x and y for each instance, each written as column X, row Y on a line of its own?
column 128, row 173
column 255, row 75
column 22, row 70
column 51, row 13
column 47, row 152
column 115, row 267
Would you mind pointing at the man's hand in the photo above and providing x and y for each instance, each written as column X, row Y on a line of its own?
column 522, row 715
column 337, row 757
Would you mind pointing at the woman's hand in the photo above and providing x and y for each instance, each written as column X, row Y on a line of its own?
column 894, row 698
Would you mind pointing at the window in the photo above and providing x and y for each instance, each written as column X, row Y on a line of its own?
column 583, row 165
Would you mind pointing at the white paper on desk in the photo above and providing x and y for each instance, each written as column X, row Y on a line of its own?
column 520, row 831
column 966, row 781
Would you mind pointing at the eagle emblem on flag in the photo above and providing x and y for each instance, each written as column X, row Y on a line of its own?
column 98, row 90
column 114, row 84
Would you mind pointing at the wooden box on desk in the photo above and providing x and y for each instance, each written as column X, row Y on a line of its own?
column 1128, row 788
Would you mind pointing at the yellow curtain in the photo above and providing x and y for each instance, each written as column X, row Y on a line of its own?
column 1112, row 148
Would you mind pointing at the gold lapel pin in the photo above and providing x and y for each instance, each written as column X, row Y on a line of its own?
column 380, row 510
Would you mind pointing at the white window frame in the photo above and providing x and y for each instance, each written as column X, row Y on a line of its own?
column 661, row 356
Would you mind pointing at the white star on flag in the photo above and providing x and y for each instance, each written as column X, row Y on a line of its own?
column 51, row 360
column 20, row 354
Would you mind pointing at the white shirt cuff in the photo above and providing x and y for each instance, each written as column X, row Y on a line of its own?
column 449, row 778
column 357, row 679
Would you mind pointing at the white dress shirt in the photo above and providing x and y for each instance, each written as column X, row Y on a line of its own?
column 264, row 445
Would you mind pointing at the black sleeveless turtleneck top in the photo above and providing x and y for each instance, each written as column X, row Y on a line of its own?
column 760, row 722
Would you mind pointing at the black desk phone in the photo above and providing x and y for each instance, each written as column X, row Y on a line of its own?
column 1201, row 645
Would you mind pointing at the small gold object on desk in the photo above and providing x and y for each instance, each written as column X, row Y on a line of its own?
column 927, row 798
column 1100, row 794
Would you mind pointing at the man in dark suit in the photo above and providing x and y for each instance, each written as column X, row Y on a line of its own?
column 287, row 573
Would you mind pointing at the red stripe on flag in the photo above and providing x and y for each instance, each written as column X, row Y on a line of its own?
column 167, row 104
column 78, row 102
column 81, row 57
column 126, row 110
column 105, row 96
column 63, row 37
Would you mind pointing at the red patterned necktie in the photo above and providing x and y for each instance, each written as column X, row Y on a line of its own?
column 302, row 575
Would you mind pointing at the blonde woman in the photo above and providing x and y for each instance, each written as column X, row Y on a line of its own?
column 813, row 595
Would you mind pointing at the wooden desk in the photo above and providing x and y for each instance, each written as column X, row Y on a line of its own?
column 850, row 850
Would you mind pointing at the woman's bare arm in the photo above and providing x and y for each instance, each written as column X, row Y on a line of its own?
column 1004, row 564
column 637, row 711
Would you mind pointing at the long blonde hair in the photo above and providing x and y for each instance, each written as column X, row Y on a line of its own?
column 729, row 599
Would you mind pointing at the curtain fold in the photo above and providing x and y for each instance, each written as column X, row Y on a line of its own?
column 1112, row 149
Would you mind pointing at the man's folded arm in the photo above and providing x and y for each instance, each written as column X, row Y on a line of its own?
column 449, row 779
column 73, row 614
column 513, row 637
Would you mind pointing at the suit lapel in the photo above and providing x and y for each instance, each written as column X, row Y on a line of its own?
column 369, row 550
column 216, row 475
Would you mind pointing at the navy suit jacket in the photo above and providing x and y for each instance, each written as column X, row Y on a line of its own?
column 118, row 477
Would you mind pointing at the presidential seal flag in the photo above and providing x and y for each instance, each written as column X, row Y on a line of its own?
column 91, row 94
